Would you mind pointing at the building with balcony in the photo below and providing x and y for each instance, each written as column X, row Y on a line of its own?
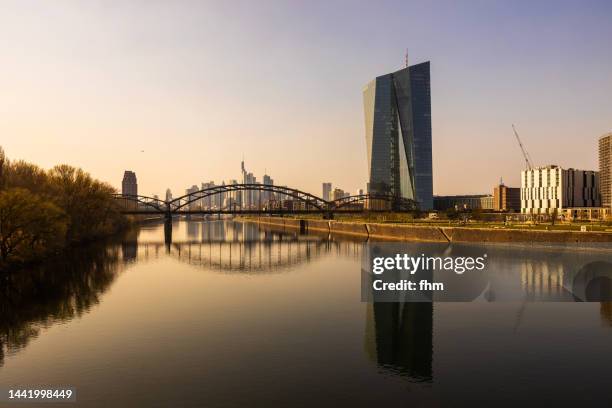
column 605, row 170
column 549, row 189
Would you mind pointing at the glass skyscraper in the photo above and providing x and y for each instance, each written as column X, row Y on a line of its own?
column 398, row 134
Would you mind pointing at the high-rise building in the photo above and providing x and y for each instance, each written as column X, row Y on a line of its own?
column 267, row 196
column 549, row 188
column 168, row 195
column 129, row 185
column 249, row 197
column 219, row 199
column 235, row 197
column 398, row 134
column 605, row 170
column 327, row 189
column 338, row 194
column 207, row 202
column 506, row 198
column 194, row 204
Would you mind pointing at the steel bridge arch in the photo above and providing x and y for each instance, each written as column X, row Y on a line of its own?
column 404, row 204
column 152, row 202
column 319, row 204
column 310, row 199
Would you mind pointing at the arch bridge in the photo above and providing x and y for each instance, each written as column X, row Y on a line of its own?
column 260, row 199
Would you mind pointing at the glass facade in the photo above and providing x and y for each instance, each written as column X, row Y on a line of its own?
column 397, row 109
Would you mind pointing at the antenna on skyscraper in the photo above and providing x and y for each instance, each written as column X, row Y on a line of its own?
column 406, row 59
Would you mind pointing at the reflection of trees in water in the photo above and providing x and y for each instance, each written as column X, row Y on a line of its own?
column 57, row 291
column 605, row 311
column 399, row 337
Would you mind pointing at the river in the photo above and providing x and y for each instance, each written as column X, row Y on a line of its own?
column 236, row 315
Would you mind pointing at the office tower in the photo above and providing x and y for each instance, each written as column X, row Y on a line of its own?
column 208, row 202
column 129, row 185
column 257, row 197
column 605, row 170
column 217, row 200
column 338, row 194
column 248, row 196
column 398, row 134
column 267, row 196
column 506, row 198
column 168, row 195
column 194, row 204
column 235, row 200
column 327, row 189
column 547, row 189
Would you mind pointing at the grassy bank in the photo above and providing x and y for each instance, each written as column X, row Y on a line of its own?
column 434, row 232
column 409, row 219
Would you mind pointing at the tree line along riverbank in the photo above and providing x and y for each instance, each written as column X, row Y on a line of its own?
column 43, row 212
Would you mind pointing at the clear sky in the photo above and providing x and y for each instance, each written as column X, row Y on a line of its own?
column 197, row 85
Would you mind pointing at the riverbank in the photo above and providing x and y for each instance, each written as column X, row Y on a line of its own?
column 44, row 212
column 433, row 233
column 56, row 256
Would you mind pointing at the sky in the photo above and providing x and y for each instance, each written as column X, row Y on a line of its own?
column 181, row 91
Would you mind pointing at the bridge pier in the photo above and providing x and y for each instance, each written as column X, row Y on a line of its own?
column 168, row 230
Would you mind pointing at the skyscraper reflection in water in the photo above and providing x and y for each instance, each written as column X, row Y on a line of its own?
column 399, row 338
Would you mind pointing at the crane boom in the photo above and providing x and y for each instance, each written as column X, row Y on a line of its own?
column 528, row 161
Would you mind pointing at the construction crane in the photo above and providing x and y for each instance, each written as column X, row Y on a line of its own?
column 528, row 161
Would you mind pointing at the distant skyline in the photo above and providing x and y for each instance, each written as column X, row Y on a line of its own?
column 179, row 92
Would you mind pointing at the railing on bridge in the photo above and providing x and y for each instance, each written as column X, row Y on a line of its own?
column 260, row 199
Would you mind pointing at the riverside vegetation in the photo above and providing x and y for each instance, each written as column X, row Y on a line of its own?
column 45, row 211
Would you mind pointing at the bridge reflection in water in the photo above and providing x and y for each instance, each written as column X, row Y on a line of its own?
column 229, row 246
column 398, row 337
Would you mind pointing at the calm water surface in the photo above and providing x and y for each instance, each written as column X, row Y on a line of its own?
column 232, row 315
